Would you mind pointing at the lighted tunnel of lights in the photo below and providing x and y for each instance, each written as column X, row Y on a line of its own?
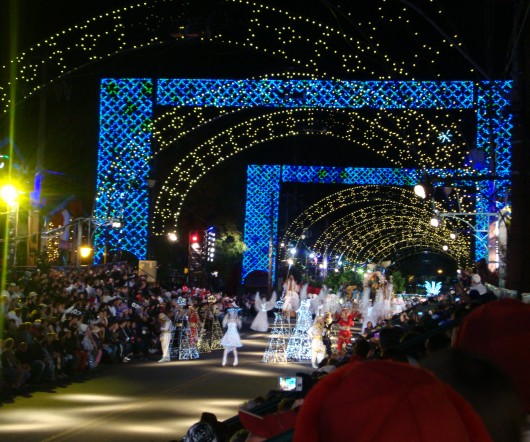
column 129, row 125
column 126, row 137
column 358, row 236
column 401, row 137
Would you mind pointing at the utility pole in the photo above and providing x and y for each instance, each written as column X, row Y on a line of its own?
column 34, row 240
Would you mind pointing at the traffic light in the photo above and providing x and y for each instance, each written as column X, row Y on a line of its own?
column 194, row 238
column 195, row 247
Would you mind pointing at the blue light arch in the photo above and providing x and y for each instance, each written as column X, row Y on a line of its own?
column 125, row 148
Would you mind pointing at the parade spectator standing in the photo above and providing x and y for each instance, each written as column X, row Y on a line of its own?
column 15, row 372
column 36, row 366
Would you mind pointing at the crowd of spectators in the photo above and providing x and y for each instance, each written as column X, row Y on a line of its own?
column 63, row 322
column 449, row 367
column 66, row 321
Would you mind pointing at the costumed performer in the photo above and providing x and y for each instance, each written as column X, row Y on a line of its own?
column 328, row 331
column 231, row 340
column 345, row 322
column 316, row 332
column 193, row 322
column 261, row 321
column 166, row 328
column 291, row 304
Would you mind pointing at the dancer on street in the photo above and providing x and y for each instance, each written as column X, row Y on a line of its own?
column 166, row 329
column 261, row 321
column 231, row 340
column 316, row 332
column 345, row 322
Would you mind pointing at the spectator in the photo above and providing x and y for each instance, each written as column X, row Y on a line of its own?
column 15, row 372
column 261, row 428
column 476, row 284
column 35, row 366
column 506, row 344
column 489, row 391
column 39, row 352
column 398, row 401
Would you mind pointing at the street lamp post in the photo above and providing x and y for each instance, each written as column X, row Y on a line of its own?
column 9, row 195
column 483, row 236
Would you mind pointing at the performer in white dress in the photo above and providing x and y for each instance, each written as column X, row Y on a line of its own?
column 387, row 291
column 291, row 303
column 318, row 350
column 261, row 321
column 166, row 328
column 231, row 340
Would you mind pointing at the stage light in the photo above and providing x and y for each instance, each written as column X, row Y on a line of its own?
column 172, row 236
column 436, row 221
column 85, row 251
column 9, row 194
column 420, row 191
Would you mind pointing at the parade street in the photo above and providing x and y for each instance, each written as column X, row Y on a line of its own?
column 144, row 401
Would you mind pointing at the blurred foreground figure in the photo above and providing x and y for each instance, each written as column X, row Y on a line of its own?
column 384, row 400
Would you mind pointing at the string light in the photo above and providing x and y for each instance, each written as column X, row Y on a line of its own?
column 398, row 128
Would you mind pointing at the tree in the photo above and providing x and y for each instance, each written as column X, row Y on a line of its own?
column 229, row 248
column 342, row 279
column 399, row 282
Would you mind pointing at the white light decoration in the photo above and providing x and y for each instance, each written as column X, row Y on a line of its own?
column 187, row 347
column 331, row 50
column 445, row 137
column 363, row 233
column 433, row 288
column 299, row 344
column 419, row 190
column 275, row 351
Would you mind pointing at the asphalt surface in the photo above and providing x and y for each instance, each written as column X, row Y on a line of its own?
column 143, row 401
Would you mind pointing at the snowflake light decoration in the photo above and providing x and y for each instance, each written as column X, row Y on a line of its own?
column 445, row 137
column 433, row 288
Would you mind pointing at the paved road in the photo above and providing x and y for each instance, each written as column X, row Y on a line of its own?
column 144, row 401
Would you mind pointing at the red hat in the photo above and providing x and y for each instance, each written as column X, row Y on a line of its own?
column 268, row 425
column 386, row 400
column 500, row 332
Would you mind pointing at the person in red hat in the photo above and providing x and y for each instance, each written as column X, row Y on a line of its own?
column 264, row 427
column 499, row 331
column 383, row 400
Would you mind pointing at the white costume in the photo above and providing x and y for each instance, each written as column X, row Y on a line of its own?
column 388, row 288
column 166, row 329
column 318, row 350
column 291, row 302
column 261, row 321
column 317, row 302
column 231, row 340
column 398, row 305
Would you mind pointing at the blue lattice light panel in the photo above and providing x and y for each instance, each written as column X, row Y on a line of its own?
column 263, row 198
column 126, row 110
column 127, row 107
